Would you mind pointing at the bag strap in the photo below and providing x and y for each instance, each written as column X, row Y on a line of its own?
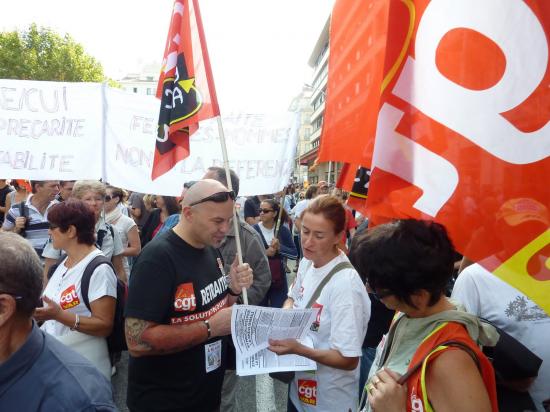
column 441, row 346
column 53, row 267
column 340, row 266
column 23, row 212
column 87, row 276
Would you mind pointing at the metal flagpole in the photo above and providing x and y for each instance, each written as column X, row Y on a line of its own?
column 230, row 187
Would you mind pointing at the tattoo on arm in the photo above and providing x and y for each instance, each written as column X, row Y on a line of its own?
column 134, row 331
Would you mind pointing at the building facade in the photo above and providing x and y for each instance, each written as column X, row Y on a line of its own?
column 307, row 153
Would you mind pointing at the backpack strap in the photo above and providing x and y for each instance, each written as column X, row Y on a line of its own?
column 87, row 276
column 340, row 266
column 442, row 346
column 53, row 267
column 23, row 212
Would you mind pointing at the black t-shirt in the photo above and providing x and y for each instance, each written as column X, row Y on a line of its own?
column 175, row 283
column 3, row 194
column 252, row 207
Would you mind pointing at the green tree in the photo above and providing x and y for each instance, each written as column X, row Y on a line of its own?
column 42, row 54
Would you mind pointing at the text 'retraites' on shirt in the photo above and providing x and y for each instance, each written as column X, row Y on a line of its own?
column 173, row 283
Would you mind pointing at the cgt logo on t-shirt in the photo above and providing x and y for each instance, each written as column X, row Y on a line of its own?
column 185, row 300
column 307, row 391
column 69, row 298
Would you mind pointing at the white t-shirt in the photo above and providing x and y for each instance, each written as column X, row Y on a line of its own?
column 342, row 324
column 267, row 233
column 489, row 297
column 299, row 208
column 64, row 288
column 123, row 226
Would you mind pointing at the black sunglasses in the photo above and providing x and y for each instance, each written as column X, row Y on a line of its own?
column 108, row 198
column 265, row 210
column 219, row 197
column 378, row 295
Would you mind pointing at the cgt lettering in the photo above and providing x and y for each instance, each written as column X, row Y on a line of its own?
column 307, row 391
column 69, row 298
column 185, row 299
column 185, row 304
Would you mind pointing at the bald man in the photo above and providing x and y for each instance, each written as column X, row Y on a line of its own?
column 178, row 313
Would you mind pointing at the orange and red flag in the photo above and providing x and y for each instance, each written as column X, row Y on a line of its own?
column 185, row 88
column 448, row 103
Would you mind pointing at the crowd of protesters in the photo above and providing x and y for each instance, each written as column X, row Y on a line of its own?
column 387, row 336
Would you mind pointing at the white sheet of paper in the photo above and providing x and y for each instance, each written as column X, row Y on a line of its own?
column 253, row 326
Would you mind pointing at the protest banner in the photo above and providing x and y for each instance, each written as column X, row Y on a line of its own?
column 68, row 131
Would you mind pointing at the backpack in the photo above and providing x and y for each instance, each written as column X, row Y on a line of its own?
column 116, row 341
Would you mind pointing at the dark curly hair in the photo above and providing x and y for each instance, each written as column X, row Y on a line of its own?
column 404, row 257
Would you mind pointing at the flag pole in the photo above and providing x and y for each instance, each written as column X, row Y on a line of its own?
column 210, row 80
column 280, row 217
column 230, row 187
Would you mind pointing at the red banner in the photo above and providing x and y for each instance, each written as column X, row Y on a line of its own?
column 459, row 122
column 185, row 87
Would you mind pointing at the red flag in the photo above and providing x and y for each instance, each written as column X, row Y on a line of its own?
column 185, row 87
column 460, row 120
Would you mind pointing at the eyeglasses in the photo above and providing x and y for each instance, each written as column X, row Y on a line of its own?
column 219, row 197
column 265, row 210
column 378, row 295
column 15, row 295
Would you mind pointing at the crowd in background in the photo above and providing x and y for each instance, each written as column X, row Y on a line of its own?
column 387, row 335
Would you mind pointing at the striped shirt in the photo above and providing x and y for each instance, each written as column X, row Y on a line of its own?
column 36, row 230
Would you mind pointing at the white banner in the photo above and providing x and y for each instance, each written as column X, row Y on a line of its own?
column 261, row 148
column 46, row 127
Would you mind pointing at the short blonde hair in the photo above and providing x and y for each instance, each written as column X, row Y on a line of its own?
column 83, row 186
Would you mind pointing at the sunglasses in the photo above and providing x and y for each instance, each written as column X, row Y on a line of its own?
column 265, row 210
column 219, row 197
column 378, row 295
column 108, row 198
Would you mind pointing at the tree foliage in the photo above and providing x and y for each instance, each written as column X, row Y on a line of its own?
column 42, row 54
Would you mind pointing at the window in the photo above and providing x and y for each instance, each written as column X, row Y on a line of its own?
column 135, row 89
column 149, row 91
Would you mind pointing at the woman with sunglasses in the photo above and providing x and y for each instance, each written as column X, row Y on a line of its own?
column 92, row 193
column 65, row 315
column 126, row 226
column 163, row 218
column 344, row 311
column 277, row 247
column 430, row 358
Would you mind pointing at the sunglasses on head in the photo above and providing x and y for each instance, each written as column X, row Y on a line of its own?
column 265, row 210
column 219, row 197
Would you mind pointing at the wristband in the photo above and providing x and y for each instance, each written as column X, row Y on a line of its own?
column 233, row 293
column 76, row 322
column 208, row 329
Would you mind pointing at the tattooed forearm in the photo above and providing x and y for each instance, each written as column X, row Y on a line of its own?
column 134, row 331
column 148, row 338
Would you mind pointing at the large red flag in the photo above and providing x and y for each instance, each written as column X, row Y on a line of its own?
column 185, row 87
column 456, row 127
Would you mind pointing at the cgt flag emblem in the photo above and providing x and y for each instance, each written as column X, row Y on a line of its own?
column 185, row 87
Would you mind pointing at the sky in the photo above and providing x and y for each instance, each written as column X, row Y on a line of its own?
column 259, row 49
